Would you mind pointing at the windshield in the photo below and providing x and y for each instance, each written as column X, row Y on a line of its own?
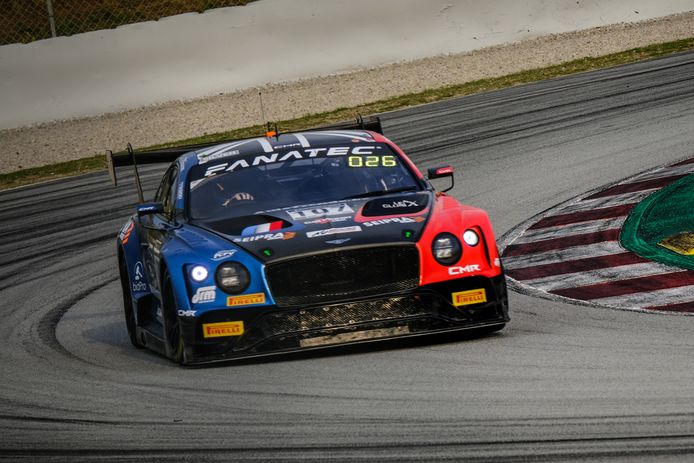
column 242, row 185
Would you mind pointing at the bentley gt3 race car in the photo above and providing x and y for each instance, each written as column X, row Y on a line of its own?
column 299, row 241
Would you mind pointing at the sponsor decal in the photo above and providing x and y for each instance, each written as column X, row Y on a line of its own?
column 246, row 299
column 410, row 204
column 139, row 287
column 327, row 220
column 272, row 157
column 474, row 296
column 262, row 228
column 267, row 236
column 400, row 204
column 139, row 271
column 218, row 330
column 219, row 255
column 333, row 231
column 462, row 270
column 394, row 220
column 187, row 313
column 204, row 294
column 287, row 145
column 205, row 158
column 497, row 262
column 342, row 241
column 320, row 211
column 125, row 232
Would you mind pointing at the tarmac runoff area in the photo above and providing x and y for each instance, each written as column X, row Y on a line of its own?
column 364, row 54
column 582, row 249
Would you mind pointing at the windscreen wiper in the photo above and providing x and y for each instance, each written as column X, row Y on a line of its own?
column 381, row 192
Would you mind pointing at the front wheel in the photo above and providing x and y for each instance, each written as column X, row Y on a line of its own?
column 172, row 326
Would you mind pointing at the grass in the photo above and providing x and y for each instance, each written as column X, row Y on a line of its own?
column 94, row 163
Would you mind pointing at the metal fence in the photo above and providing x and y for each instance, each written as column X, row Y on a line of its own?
column 28, row 20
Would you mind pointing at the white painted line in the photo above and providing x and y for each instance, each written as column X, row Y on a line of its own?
column 604, row 248
column 572, row 280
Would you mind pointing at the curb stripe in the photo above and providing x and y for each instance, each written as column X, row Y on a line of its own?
column 562, row 255
column 571, row 229
column 608, row 201
column 661, row 298
column 669, row 171
column 629, row 286
column 575, row 266
column 637, row 186
column 555, row 282
column 682, row 307
column 583, row 216
column 688, row 161
column 562, row 242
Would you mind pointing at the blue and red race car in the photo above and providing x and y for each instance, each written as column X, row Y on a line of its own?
column 300, row 241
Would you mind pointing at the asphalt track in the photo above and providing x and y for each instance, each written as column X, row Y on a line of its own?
column 561, row 383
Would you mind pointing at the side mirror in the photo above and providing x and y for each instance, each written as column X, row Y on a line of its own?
column 441, row 172
column 149, row 209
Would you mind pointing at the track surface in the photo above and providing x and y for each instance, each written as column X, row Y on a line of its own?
column 562, row 382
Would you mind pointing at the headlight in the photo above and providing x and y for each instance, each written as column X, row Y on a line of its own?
column 232, row 277
column 198, row 273
column 446, row 249
column 471, row 238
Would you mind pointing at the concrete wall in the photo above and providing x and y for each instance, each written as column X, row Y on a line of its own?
column 196, row 55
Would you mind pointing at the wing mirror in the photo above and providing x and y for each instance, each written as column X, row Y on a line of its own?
column 441, row 172
column 149, row 209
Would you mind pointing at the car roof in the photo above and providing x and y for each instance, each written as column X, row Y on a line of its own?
column 286, row 141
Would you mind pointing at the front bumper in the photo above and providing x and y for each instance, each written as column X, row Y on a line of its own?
column 270, row 330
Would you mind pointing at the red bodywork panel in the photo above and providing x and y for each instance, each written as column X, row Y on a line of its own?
column 448, row 215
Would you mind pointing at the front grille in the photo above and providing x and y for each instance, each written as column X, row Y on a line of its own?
column 344, row 314
column 352, row 273
column 296, row 321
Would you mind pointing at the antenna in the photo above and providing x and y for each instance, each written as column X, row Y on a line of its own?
column 140, row 196
column 268, row 132
column 262, row 110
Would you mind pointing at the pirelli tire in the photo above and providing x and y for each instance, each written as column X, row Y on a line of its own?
column 128, row 308
column 175, row 344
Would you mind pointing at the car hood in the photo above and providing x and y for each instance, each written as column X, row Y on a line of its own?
column 282, row 233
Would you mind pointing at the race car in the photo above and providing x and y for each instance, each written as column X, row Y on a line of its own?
column 297, row 241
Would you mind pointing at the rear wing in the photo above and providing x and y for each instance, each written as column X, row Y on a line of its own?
column 169, row 155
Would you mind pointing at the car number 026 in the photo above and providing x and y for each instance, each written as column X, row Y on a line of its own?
column 371, row 161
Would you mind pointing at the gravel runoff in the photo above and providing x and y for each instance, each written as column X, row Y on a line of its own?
column 73, row 139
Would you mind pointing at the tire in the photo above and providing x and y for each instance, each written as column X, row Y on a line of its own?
column 128, row 309
column 172, row 326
